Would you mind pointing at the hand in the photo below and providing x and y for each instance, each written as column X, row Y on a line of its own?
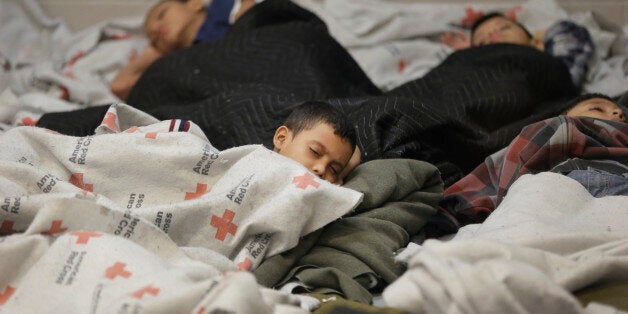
column 457, row 40
column 131, row 72
column 245, row 5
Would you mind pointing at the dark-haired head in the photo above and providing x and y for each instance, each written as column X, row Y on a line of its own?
column 311, row 113
column 595, row 105
column 319, row 136
column 495, row 27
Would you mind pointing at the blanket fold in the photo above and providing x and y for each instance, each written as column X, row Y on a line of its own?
column 547, row 238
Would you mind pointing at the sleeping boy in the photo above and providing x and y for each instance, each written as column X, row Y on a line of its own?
column 565, row 40
column 320, row 137
column 595, row 105
column 590, row 151
column 176, row 24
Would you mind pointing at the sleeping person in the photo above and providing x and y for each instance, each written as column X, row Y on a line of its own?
column 596, row 106
column 176, row 24
column 565, row 40
column 320, row 137
column 589, row 144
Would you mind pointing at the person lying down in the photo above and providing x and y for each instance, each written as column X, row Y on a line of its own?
column 588, row 143
column 169, row 175
column 564, row 39
column 172, row 25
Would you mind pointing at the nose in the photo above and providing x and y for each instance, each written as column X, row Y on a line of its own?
column 494, row 37
column 619, row 114
column 318, row 170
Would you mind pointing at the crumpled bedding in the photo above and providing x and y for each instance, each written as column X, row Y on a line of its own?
column 468, row 107
column 548, row 237
column 396, row 41
column 48, row 68
column 354, row 256
column 147, row 214
column 539, row 147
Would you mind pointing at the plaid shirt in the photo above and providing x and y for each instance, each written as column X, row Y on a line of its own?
column 573, row 44
column 539, row 147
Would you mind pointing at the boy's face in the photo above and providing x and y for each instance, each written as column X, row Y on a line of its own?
column 319, row 149
column 499, row 30
column 169, row 25
column 597, row 108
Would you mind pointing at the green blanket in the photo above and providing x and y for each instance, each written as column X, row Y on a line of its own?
column 354, row 255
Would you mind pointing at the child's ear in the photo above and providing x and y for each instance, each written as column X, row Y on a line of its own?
column 537, row 40
column 282, row 135
column 196, row 5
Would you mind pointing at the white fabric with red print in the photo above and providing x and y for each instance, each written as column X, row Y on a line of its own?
column 147, row 215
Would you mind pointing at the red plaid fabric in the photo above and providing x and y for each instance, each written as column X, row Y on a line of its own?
column 539, row 147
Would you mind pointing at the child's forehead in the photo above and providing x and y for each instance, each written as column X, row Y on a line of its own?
column 597, row 101
column 152, row 11
column 496, row 19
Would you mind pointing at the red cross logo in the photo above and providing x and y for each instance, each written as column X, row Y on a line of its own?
column 110, row 121
column 512, row 13
column 151, row 135
column 84, row 236
column 4, row 297
column 76, row 57
column 224, row 225
column 55, row 228
column 401, row 66
column 305, row 180
column 29, row 121
column 148, row 289
column 77, row 179
column 117, row 270
column 471, row 16
column 200, row 190
column 132, row 129
column 7, row 227
column 245, row 264
column 65, row 93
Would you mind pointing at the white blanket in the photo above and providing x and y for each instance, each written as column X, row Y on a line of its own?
column 548, row 237
column 47, row 68
column 147, row 215
column 396, row 41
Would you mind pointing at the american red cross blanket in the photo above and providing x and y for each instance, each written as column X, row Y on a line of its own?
column 144, row 207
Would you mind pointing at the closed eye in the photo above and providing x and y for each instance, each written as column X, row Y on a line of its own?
column 316, row 153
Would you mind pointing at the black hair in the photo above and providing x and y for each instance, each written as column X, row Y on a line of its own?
column 574, row 102
column 308, row 114
column 491, row 15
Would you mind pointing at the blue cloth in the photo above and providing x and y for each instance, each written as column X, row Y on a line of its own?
column 601, row 183
column 573, row 44
column 216, row 22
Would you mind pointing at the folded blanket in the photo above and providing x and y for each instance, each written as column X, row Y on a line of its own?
column 352, row 255
column 539, row 147
column 153, row 188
